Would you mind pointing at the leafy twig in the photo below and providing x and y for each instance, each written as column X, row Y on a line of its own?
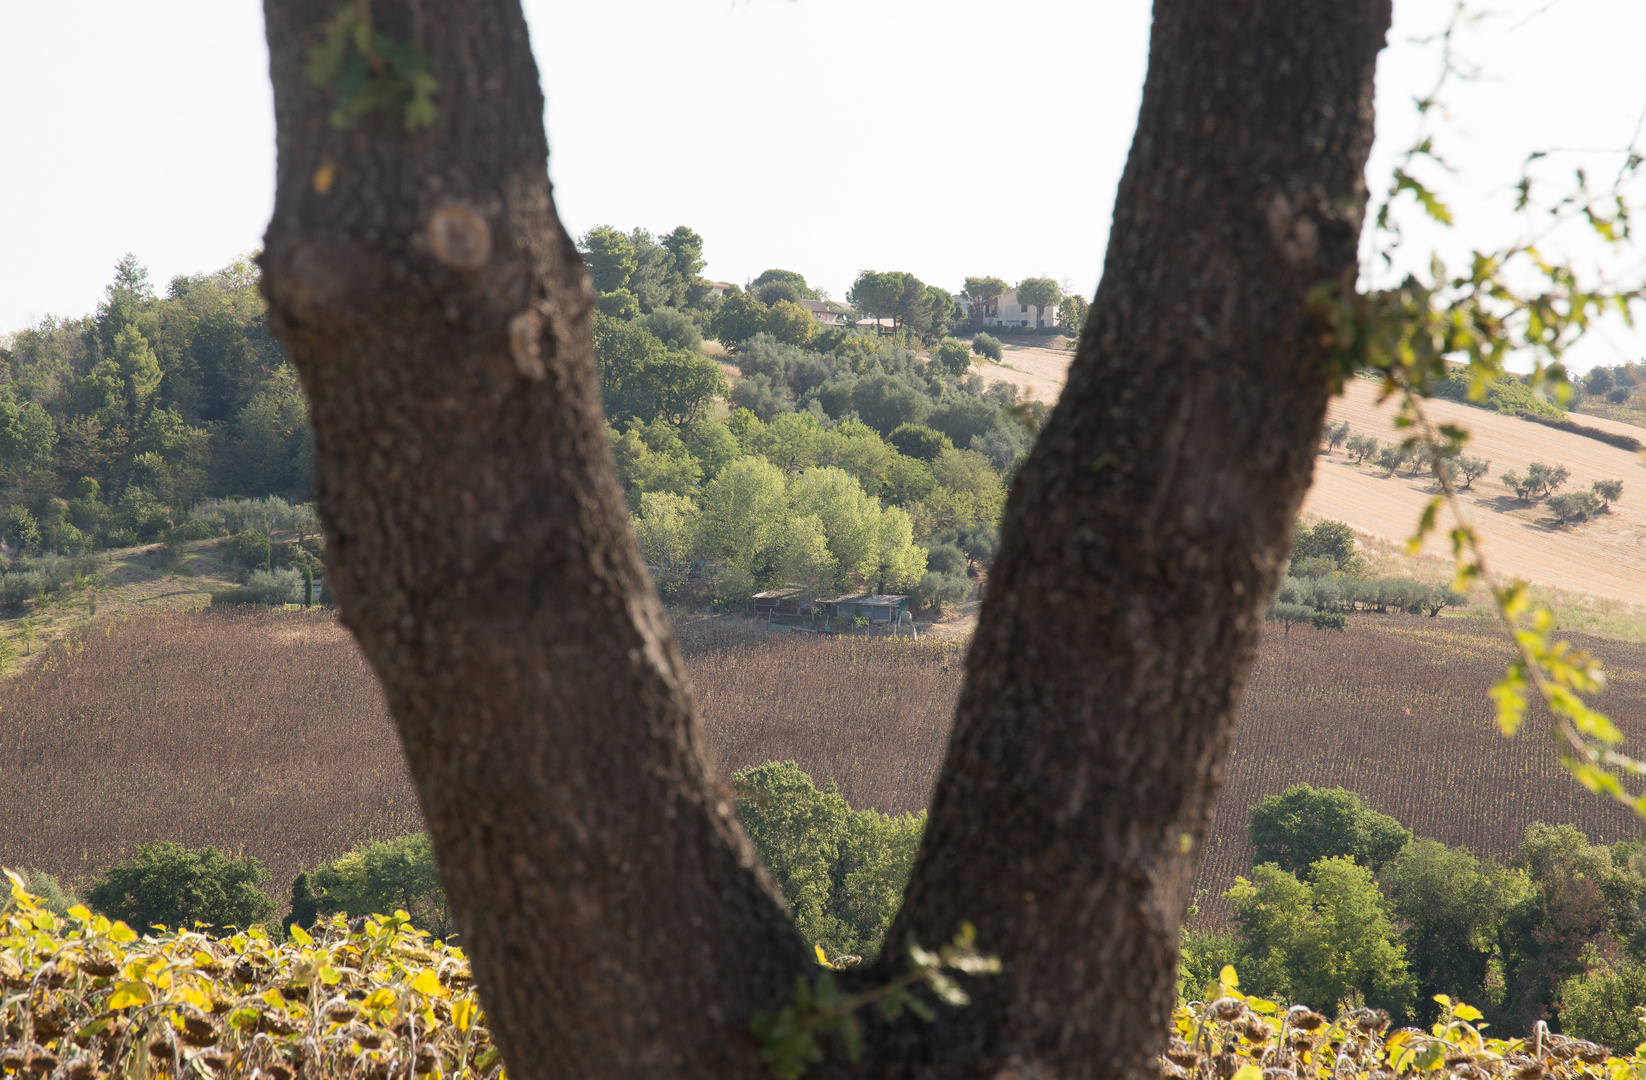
column 789, row 1037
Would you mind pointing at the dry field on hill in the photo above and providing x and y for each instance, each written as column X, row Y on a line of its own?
column 1605, row 556
column 1396, row 710
column 264, row 733
column 1038, row 373
column 267, row 734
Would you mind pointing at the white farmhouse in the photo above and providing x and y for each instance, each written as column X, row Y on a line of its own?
column 1005, row 311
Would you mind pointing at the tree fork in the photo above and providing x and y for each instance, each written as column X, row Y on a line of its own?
column 479, row 549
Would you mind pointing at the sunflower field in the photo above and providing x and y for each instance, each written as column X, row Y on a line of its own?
column 82, row 998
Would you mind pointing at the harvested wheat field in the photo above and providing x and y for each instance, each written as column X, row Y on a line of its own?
column 1605, row 556
column 267, row 734
column 1396, row 709
column 871, row 715
column 263, row 733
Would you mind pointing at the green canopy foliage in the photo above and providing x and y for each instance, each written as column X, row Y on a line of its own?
column 175, row 886
column 1302, row 825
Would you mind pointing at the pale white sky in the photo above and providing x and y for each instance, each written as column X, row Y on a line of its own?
column 944, row 137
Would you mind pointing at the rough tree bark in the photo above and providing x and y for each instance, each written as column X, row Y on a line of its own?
column 479, row 548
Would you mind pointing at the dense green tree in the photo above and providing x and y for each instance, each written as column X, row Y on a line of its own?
column 741, row 509
column 642, row 379
column 980, row 292
column 1039, row 293
column 667, row 527
column 1452, row 906
column 1303, row 824
column 1323, row 942
column 885, row 403
column 273, row 452
column 174, row 886
column 610, row 258
column 685, row 248
column 968, row 490
column 790, row 323
column 795, row 281
column 842, row 872
column 739, row 318
column 675, row 329
column 963, row 419
column 920, row 441
column 884, row 294
column 1071, row 314
column 953, row 357
column 618, row 304
column 1332, row 540
column 849, row 517
column 653, row 458
column 383, row 876
column 1604, row 1004
column 654, row 281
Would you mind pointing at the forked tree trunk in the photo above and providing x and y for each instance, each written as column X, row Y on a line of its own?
column 479, row 548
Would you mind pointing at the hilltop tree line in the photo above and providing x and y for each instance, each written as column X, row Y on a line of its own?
column 848, row 460
column 112, row 425
column 1346, row 906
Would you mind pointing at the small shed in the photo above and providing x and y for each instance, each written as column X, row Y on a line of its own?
column 875, row 607
column 778, row 602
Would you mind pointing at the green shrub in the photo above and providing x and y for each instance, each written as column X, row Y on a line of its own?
column 249, row 549
column 987, row 345
column 235, row 597
column 954, row 357
column 51, row 892
column 171, row 885
column 18, row 528
column 386, row 876
column 1303, row 824
column 935, row 590
column 275, row 587
column 920, row 441
column 841, row 870
column 1200, row 958
column 1604, row 1003
column 192, row 529
column 1287, row 614
column 1327, row 940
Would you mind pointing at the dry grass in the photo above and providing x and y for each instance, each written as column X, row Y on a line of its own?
column 871, row 715
column 263, row 733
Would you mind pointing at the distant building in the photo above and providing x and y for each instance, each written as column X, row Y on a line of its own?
column 778, row 602
column 876, row 608
column 718, row 288
column 828, row 313
column 1005, row 311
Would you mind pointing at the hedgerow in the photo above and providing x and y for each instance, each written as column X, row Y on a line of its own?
column 86, row 998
